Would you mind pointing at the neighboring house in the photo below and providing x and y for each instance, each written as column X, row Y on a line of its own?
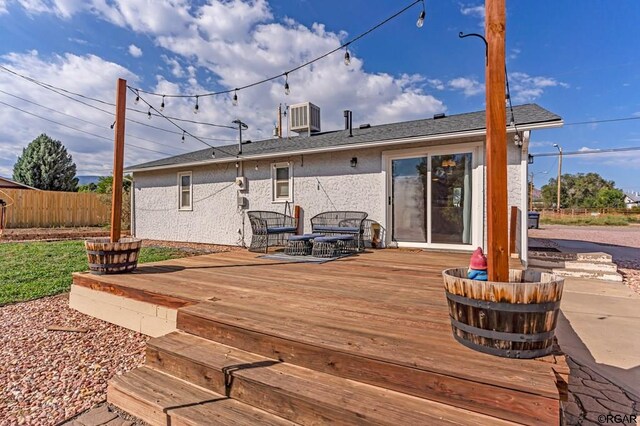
column 422, row 180
column 632, row 199
column 11, row 184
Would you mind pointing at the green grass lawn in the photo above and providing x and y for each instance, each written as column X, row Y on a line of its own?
column 37, row 269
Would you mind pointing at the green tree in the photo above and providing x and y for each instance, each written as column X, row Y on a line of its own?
column 105, row 184
column 90, row 187
column 578, row 190
column 46, row 164
column 610, row 198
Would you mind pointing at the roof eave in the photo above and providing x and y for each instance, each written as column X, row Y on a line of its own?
column 387, row 142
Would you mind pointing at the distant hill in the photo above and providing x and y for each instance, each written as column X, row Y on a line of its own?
column 86, row 180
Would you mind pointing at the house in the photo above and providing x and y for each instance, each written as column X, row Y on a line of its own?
column 11, row 184
column 423, row 181
column 632, row 199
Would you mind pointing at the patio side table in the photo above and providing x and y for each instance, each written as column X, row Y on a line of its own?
column 300, row 245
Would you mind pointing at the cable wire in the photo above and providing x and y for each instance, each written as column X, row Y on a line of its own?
column 285, row 73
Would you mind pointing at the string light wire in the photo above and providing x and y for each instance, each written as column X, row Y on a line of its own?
column 285, row 73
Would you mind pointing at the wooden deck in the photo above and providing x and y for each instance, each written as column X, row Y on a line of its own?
column 361, row 340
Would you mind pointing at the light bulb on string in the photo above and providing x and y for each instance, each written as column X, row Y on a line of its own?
column 196, row 107
column 213, row 153
column 423, row 14
column 137, row 100
column 183, row 136
column 113, row 125
column 234, row 101
column 149, row 114
column 286, row 84
column 162, row 104
column 347, row 57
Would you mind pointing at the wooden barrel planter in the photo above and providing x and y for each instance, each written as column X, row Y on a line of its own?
column 106, row 257
column 514, row 320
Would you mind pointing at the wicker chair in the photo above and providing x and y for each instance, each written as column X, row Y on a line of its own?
column 270, row 229
column 340, row 223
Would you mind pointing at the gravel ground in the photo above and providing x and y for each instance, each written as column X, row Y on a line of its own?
column 49, row 376
column 622, row 241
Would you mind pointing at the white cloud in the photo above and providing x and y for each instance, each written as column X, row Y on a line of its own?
column 526, row 88
column 469, row 86
column 3, row 7
column 225, row 44
column 514, row 53
column 135, row 51
column 474, row 11
column 587, row 149
column 436, row 83
column 636, row 114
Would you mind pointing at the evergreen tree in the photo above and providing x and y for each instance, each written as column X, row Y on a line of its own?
column 45, row 164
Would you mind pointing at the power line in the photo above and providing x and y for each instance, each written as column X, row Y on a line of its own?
column 285, row 74
column 79, row 130
column 610, row 120
column 87, row 121
column 66, row 94
column 594, row 151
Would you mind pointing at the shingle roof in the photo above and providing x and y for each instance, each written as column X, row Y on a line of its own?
column 635, row 198
column 524, row 115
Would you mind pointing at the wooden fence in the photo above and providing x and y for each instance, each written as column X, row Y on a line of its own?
column 30, row 208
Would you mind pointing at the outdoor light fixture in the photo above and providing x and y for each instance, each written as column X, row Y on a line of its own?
column 256, row 166
column 183, row 136
column 347, row 57
column 517, row 139
column 423, row 14
column 213, row 154
column 149, row 114
column 286, row 84
column 113, row 125
column 137, row 98
column 162, row 104
column 530, row 159
column 237, row 165
column 196, row 108
column 354, row 161
column 234, row 101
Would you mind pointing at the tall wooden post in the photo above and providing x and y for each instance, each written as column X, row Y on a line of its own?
column 118, row 160
column 497, row 224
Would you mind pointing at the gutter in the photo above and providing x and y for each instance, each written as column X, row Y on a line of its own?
column 445, row 136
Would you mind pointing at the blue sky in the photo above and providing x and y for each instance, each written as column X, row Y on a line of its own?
column 579, row 62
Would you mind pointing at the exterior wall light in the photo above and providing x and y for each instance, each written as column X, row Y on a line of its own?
column 354, row 161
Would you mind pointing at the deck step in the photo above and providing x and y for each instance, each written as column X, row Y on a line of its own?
column 160, row 399
column 342, row 354
column 295, row 393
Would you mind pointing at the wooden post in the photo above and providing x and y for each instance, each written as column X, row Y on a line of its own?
column 513, row 226
column 118, row 160
column 297, row 215
column 497, row 226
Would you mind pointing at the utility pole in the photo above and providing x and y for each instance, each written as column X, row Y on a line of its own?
column 559, row 173
column 532, row 187
column 497, row 223
column 118, row 160
column 241, row 126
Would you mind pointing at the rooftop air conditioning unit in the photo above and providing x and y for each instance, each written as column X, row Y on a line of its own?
column 304, row 118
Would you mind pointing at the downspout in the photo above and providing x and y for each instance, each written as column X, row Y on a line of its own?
column 524, row 203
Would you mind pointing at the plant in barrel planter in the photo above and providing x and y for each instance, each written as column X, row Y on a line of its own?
column 514, row 319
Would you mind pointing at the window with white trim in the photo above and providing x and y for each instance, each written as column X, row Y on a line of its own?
column 185, row 191
column 282, row 182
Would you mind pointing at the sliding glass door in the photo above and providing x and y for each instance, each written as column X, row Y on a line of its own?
column 431, row 199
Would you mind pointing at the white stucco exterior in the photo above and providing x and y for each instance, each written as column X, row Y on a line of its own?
column 321, row 182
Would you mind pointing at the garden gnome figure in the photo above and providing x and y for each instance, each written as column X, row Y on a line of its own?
column 478, row 266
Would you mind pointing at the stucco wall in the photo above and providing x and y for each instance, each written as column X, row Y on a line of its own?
column 321, row 182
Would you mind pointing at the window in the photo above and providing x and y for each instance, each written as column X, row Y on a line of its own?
column 185, row 196
column 281, row 178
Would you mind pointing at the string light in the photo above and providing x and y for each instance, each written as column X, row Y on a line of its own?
column 183, row 136
column 423, row 14
column 286, row 84
column 256, row 166
column 162, row 104
column 235, row 98
column 113, row 125
column 347, row 57
column 420, row 23
column 149, row 114
column 137, row 100
column 196, row 108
